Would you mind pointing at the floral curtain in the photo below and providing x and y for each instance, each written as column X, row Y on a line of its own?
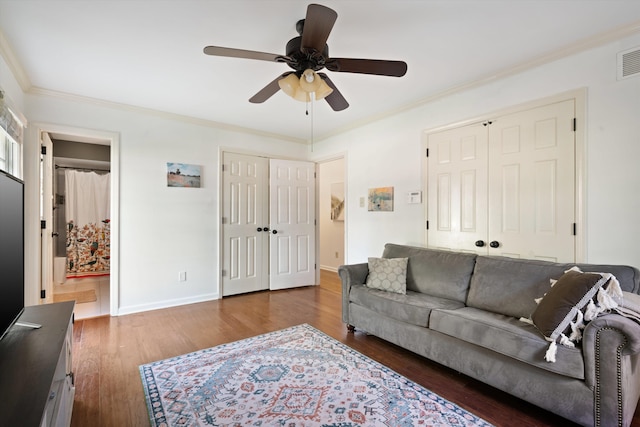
column 88, row 224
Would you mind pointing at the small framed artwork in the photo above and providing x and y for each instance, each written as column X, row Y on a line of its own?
column 381, row 199
column 337, row 201
column 183, row 175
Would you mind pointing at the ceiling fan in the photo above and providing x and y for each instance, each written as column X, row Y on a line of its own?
column 307, row 54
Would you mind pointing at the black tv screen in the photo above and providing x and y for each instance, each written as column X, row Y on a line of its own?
column 11, row 250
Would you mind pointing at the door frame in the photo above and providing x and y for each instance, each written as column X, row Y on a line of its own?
column 337, row 156
column 33, row 265
column 580, row 98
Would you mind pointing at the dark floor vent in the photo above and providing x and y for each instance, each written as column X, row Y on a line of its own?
column 629, row 63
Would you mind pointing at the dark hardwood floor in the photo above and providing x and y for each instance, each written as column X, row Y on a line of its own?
column 108, row 350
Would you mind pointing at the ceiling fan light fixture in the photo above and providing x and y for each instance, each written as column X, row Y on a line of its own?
column 323, row 90
column 290, row 85
column 309, row 81
column 301, row 95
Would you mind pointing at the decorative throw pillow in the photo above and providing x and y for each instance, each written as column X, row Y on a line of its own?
column 388, row 274
column 574, row 298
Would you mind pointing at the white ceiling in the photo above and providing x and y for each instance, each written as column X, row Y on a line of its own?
column 148, row 53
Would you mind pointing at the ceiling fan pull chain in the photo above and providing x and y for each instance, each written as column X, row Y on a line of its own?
column 312, row 96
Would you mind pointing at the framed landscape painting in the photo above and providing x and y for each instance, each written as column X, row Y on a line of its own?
column 183, row 175
column 381, row 199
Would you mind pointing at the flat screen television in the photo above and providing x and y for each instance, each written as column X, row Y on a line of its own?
column 11, row 251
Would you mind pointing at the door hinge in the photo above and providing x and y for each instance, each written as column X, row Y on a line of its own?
column 427, row 224
column 223, row 167
column 43, row 294
column 43, row 224
column 224, row 219
column 575, row 124
column 575, row 229
column 224, row 273
column 426, row 154
column 43, row 150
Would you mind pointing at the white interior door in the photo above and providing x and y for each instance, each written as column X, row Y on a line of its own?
column 292, row 219
column 46, row 215
column 245, row 216
column 457, row 188
column 507, row 188
column 532, row 183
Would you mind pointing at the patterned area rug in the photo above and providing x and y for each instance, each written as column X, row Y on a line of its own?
column 294, row 377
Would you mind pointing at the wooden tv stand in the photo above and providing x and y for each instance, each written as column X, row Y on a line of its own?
column 36, row 378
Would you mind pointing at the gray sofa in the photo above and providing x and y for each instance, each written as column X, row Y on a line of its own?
column 464, row 311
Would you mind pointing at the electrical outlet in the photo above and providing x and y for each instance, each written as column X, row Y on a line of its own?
column 362, row 202
column 182, row 276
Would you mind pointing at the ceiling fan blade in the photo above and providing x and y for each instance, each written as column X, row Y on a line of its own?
column 317, row 25
column 268, row 91
column 367, row 66
column 335, row 99
column 241, row 53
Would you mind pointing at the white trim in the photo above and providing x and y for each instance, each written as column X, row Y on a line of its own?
column 566, row 51
column 326, row 159
column 162, row 114
column 6, row 51
column 167, row 304
column 113, row 140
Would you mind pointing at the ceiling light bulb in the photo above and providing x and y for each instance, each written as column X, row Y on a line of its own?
column 309, row 75
column 309, row 81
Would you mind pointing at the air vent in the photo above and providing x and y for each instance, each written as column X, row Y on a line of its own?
column 629, row 63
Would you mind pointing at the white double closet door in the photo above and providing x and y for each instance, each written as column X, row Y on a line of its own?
column 506, row 187
column 268, row 224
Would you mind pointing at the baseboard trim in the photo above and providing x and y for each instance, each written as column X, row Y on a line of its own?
column 166, row 304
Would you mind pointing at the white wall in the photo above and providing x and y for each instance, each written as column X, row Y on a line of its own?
column 162, row 230
column 388, row 153
column 331, row 232
column 166, row 230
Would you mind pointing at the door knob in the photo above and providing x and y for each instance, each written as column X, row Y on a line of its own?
column 266, row 229
column 479, row 243
column 494, row 244
column 275, row 231
column 259, row 229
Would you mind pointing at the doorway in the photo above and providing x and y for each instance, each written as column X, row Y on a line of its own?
column 79, row 261
column 331, row 220
column 268, row 224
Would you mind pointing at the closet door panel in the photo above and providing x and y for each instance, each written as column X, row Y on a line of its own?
column 532, row 197
column 457, row 194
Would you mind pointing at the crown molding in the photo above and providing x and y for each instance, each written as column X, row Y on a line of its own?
column 14, row 65
column 563, row 52
column 38, row 91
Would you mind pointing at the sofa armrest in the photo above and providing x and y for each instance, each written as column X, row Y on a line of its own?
column 353, row 274
column 611, row 349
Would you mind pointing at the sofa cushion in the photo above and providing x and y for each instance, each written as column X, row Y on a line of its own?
column 509, row 285
column 388, row 274
column 569, row 294
column 439, row 273
column 508, row 336
column 413, row 307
